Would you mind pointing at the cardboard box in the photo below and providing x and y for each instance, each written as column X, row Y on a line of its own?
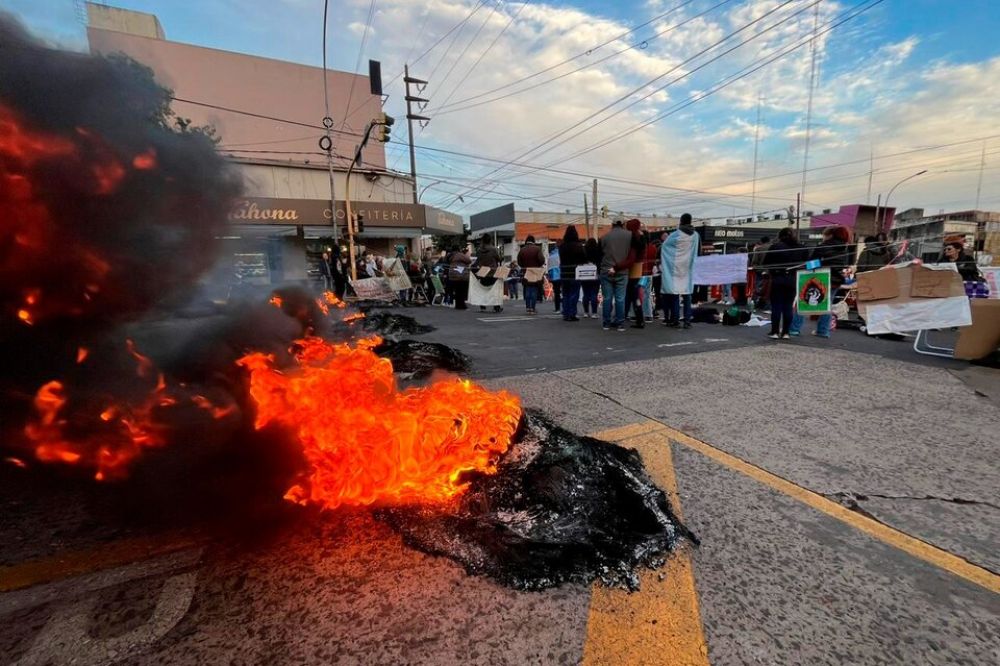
column 876, row 285
column 983, row 337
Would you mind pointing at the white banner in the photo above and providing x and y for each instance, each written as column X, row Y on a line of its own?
column 918, row 315
column 395, row 273
column 586, row 272
column 721, row 268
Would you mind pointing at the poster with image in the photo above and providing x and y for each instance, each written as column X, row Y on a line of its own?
column 812, row 290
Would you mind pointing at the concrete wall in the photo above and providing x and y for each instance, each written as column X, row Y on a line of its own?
column 260, row 85
column 291, row 182
column 124, row 20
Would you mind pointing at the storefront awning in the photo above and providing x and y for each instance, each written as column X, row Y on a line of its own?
column 316, row 212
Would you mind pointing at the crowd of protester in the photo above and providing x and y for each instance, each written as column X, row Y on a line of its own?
column 631, row 273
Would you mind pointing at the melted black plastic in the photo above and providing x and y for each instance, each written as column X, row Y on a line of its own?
column 419, row 359
column 560, row 509
column 392, row 324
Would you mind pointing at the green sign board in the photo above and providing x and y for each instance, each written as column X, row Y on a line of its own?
column 812, row 289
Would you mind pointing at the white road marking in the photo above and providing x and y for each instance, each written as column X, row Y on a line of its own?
column 675, row 344
column 716, row 339
column 66, row 636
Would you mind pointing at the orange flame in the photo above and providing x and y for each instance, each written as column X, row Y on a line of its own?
column 368, row 442
column 119, row 434
column 145, row 161
column 81, row 354
column 276, row 301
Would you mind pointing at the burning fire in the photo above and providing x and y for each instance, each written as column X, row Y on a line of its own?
column 109, row 437
column 368, row 442
column 30, row 224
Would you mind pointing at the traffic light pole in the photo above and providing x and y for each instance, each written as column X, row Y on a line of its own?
column 410, row 117
column 347, row 202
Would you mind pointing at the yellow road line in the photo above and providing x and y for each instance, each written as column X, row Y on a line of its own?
column 66, row 565
column 661, row 623
column 892, row 537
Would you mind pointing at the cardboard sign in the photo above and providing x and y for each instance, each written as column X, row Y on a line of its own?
column 502, row 273
column 483, row 272
column 929, row 283
column 813, row 291
column 876, row 285
column 586, row 272
column 373, row 288
column 534, row 274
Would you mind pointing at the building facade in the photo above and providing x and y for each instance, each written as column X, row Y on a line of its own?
column 928, row 233
column 268, row 115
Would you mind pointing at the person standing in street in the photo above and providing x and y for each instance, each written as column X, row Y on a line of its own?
column 834, row 252
column 781, row 262
column 458, row 275
column 615, row 247
column 488, row 257
column 591, row 287
column 326, row 271
column 677, row 257
column 555, row 276
column 531, row 259
column 633, row 294
column 571, row 254
column 876, row 255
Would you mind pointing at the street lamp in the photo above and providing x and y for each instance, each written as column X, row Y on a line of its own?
column 880, row 218
column 426, row 187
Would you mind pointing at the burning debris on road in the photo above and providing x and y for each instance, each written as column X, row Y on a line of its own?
column 392, row 324
column 560, row 508
column 110, row 214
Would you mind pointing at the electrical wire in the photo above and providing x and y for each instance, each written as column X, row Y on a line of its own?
column 576, row 57
column 357, row 64
column 537, row 146
column 456, row 108
column 483, row 54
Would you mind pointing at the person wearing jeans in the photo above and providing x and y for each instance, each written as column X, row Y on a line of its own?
column 834, row 253
column 616, row 259
column 531, row 259
column 674, row 309
column 781, row 261
column 613, row 291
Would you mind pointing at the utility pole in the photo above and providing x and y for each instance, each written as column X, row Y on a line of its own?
column 756, row 144
column 979, row 191
column 809, row 105
column 410, row 117
column 871, row 172
column 798, row 213
column 586, row 215
column 593, row 201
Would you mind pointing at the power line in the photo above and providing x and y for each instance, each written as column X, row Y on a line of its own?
column 456, row 108
column 357, row 64
column 571, row 59
column 483, row 54
column 646, row 84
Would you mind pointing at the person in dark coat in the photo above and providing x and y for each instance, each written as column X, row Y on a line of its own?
column 834, row 252
column 487, row 257
column 876, row 255
column 571, row 254
column 954, row 252
column 459, row 263
column 326, row 271
column 781, row 261
column 591, row 287
column 531, row 256
column 637, row 254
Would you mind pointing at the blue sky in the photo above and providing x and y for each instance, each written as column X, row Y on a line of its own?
column 906, row 74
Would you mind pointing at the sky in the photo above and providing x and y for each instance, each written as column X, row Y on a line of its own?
column 658, row 99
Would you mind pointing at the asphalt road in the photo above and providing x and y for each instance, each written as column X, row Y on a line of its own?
column 845, row 493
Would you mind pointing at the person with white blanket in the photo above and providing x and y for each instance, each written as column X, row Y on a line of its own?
column 677, row 255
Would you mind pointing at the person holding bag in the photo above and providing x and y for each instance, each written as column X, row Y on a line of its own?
column 532, row 260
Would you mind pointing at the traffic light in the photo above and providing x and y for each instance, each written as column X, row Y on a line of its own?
column 384, row 124
column 359, row 223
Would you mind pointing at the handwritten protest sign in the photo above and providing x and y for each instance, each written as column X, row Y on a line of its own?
column 721, row 268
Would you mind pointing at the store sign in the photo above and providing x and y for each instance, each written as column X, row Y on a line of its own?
column 316, row 212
